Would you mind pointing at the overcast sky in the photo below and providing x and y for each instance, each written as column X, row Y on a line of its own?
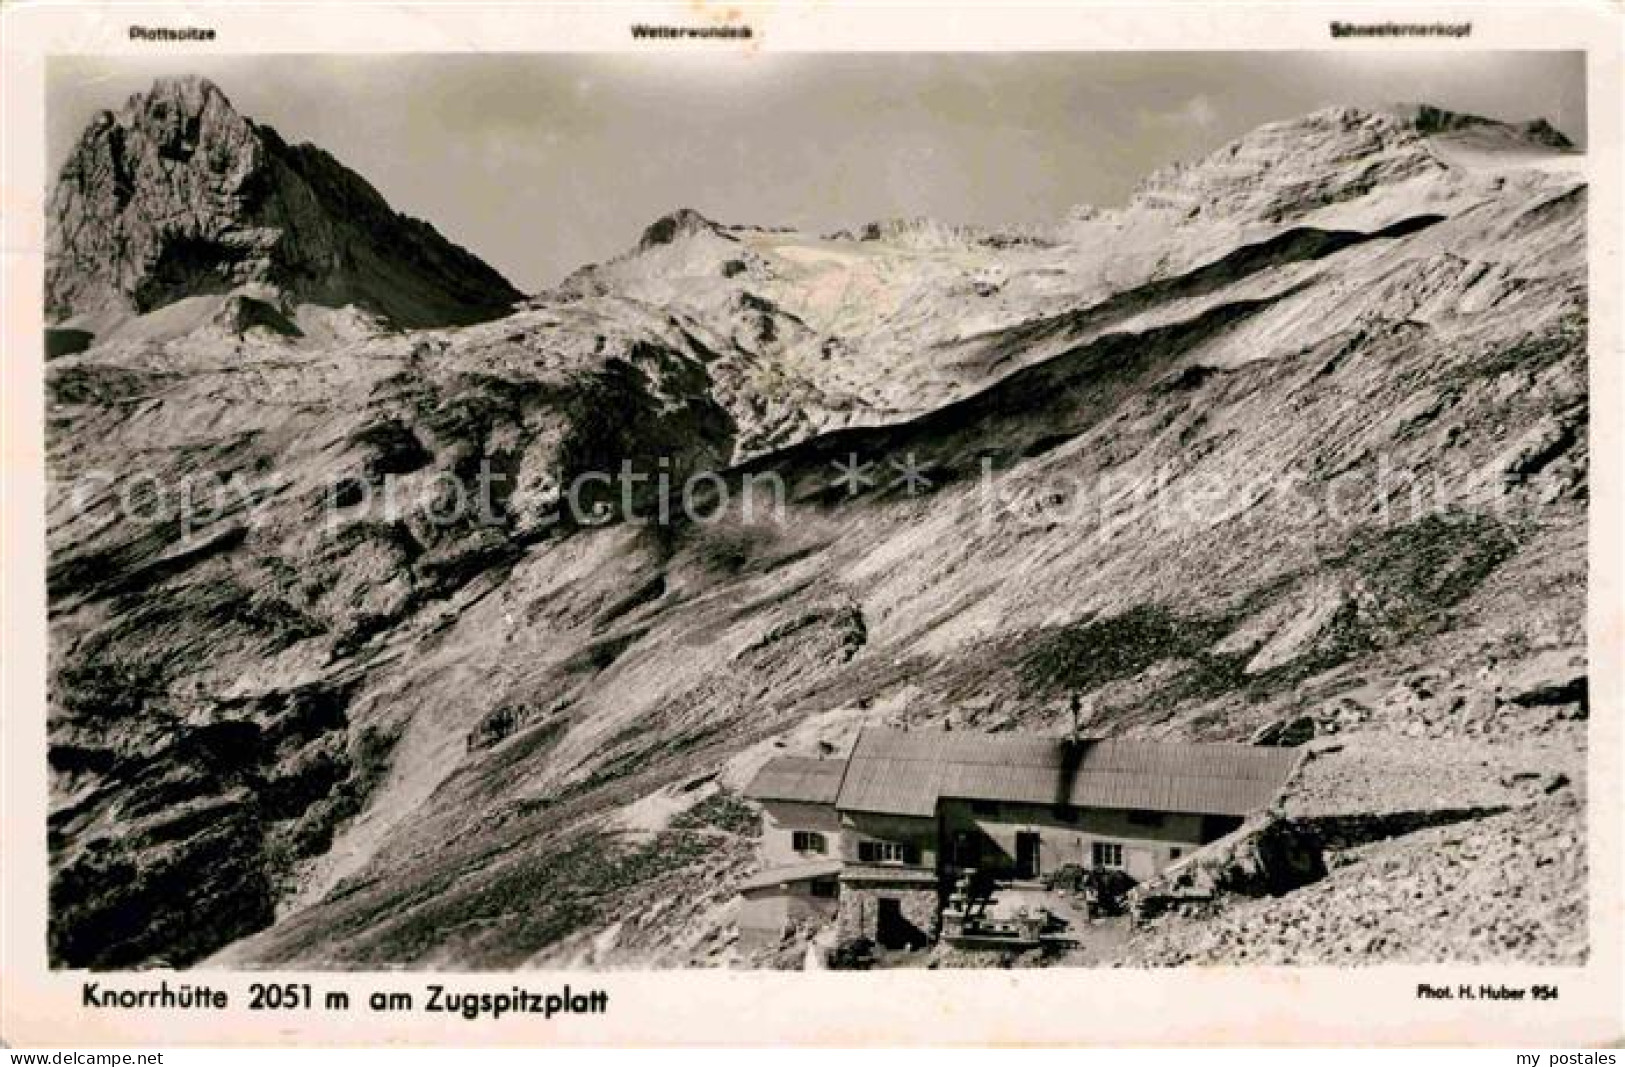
column 540, row 163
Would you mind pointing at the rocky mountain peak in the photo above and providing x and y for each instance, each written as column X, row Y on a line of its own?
column 918, row 231
column 1428, row 120
column 178, row 195
column 1543, row 132
column 178, row 99
column 683, row 222
column 1287, row 169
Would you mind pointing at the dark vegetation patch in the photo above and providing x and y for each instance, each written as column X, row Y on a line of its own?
column 80, row 759
column 721, row 810
column 1088, row 654
column 1352, row 831
column 792, row 557
column 63, row 341
column 1569, row 204
column 496, row 725
column 111, row 688
column 1538, row 458
column 1532, row 353
column 348, row 492
column 562, row 888
column 1412, row 575
column 465, row 419
column 102, row 386
column 1420, row 570
column 336, row 783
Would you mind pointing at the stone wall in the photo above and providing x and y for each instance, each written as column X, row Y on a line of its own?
column 860, row 908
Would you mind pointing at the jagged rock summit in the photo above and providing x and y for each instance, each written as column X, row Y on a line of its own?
column 683, row 222
column 179, row 196
column 1427, row 119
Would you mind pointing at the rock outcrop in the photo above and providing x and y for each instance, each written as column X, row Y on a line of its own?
column 1406, row 901
column 1266, row 856
column 683, row 222
column 1285, row 170
column 1427, row 119
column 178, row 196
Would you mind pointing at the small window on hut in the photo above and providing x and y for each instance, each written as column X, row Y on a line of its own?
column 1107, row 854
column 808, row 841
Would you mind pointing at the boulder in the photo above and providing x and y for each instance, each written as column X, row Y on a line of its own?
column 1266, row 856
column 1286, row 733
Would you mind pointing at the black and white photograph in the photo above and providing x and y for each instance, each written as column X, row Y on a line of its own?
column 547, row 527
column 817, row 511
